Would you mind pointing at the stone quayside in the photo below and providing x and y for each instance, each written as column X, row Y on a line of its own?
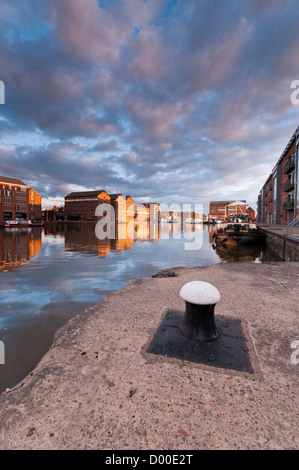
column 99, row 387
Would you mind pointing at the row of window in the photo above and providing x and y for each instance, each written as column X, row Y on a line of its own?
column 8, row 200
column 22, row 188
column 8, row 207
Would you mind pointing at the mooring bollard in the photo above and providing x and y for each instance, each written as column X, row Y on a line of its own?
column 199, row 320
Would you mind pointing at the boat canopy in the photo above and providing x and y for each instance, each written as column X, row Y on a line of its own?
column 237, row 203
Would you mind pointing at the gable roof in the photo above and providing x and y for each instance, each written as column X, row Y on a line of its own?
column 115, row 196
column 9, row 180
column 85, row 193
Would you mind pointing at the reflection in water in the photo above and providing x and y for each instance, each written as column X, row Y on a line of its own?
column 242, row 253
column 257, row 252
column 49, row 275
column 18, row 246
column 83, row 238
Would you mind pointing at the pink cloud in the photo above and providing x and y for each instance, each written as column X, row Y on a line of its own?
column 87, row 31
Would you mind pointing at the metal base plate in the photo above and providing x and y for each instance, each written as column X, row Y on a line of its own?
column 229, row 351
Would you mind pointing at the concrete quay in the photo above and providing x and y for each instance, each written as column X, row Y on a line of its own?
column 99, row 388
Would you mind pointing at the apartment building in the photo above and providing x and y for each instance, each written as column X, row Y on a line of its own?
column 278, row 201
column 14, row 199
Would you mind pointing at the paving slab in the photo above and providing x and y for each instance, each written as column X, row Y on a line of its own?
column 99, row 387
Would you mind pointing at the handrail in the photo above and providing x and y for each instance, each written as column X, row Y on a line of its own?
column 291, row 225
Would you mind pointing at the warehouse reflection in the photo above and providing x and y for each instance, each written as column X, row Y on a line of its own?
column 18, row 246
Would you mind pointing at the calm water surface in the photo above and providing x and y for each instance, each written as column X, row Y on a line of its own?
column 49, row 275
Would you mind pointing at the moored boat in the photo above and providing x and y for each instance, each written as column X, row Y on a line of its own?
column 234, row 234
column 20, row 224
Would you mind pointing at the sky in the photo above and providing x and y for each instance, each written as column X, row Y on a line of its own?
column 169, row 101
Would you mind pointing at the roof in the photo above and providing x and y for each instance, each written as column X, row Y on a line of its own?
column 115, row 196
column 290, row 143
column 86, row 193
column 9, row 180
column 238, row 203
column 223, row 202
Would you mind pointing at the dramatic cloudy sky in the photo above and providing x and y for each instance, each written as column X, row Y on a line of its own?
column 166, row 100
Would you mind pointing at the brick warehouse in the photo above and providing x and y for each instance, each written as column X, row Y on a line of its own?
column 14, row 199
column 35, row 205
column 118, row 202
column 84, row 203
column 220, row 209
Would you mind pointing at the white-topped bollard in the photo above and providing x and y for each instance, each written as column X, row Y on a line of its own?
column 199, row 321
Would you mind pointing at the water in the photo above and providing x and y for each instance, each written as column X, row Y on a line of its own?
column 49, row 275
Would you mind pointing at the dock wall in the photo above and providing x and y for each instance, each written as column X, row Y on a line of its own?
column 284, row 246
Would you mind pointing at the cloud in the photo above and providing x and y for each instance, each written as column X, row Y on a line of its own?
column 161, row 98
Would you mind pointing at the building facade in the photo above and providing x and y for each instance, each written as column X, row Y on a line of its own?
column 130, row 209
column 118, row 202
column 221, row 209
column 35, row 205
column 278, row 199
column 14, row 199
column 85, row 203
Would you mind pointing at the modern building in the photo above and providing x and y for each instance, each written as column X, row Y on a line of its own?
column 14, row 199
column 278, row 200
column 85, row 203
column 35, row 205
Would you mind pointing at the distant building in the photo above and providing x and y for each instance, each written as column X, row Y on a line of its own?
column 251, row 213
column 35, row 205
column 142, row 213
column 14, row 199
column 278, row 200
column 154, row 211
column 118, row 202
column 84, row 203
column 221, row 209
column 130, row 209
column 147, row 212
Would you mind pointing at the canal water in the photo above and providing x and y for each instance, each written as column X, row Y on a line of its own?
column 48, row 275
